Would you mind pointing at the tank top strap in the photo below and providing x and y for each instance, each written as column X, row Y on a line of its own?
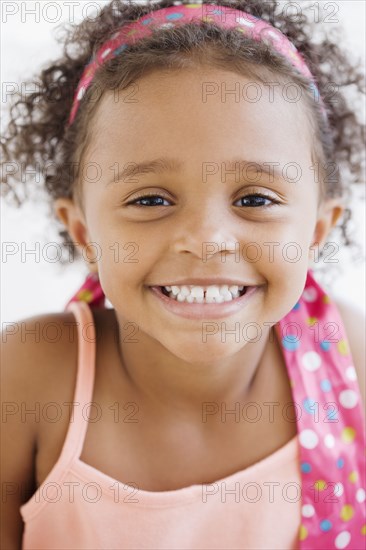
column 82, row 400
column 330, row 421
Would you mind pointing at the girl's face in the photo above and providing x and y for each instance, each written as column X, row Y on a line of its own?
column 210, row 131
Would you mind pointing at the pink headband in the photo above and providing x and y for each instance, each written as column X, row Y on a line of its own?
column 226, row 17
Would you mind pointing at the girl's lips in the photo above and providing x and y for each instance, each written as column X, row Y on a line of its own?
column 204, row 311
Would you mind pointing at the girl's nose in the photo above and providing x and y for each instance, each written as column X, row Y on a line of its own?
column 206, row 229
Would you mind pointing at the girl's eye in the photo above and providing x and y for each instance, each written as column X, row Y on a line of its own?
column 257, row 199
column 148, row 200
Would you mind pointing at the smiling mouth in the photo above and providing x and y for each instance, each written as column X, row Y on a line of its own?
column 197, row 303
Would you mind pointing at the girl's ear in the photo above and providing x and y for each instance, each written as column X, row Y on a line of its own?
column 328, row 216
column 73, row 219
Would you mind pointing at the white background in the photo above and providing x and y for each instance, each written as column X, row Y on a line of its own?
column 30, row 287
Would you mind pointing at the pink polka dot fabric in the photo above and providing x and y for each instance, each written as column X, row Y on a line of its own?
column 330, row 422
column 329, row 416
column 250, row 26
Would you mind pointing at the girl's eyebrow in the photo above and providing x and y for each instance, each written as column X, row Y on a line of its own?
column 155, row 166
column 236, row 166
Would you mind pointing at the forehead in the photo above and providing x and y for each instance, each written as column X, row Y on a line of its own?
column 202, row 114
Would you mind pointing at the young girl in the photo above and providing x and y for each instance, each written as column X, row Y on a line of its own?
column 215, row 404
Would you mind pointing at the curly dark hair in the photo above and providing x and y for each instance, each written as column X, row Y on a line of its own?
column 37, row 135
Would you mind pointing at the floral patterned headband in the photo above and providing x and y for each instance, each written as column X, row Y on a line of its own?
column 225, row 17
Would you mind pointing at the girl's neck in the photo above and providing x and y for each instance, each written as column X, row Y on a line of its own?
column 158, row 377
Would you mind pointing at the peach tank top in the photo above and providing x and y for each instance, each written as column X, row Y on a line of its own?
column 80, row 507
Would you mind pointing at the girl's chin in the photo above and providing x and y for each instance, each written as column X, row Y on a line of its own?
column 196, row 351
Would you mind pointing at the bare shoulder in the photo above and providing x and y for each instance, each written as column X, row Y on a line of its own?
column 39, row 359
column 38, row 365
column 36, row 351
column 354, row 322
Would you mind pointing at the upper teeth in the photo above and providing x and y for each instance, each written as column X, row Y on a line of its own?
column 200, row 294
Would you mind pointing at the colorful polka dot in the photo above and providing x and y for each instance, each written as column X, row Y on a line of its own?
column 274, row 35
column 325, row 385
column 291, row 342
column 306, row 467
column 347, row 512
column 332, row 415
column 325, row 345
column 351, row 373
column 81, row 93
column 360, row 495
column 342, row 347
column 105, row 53
column 325, row 525
column 120, row 49
column 308, row 510
column 342, row 540
column 320, row 485
column 85, row 295
column 340, row 463
column 308, row 439
column 166, row 26
column 310, row 294
column 329, row 441
column 353, row 476
column 311, row 321
column 244, row 21
column 348, row 434
column 303, row 532
column 363, row 530
column 174, row 16
column 338, row 489
column 311, row 361
column 310, row 405
column 348, row 399
column 296, row 306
